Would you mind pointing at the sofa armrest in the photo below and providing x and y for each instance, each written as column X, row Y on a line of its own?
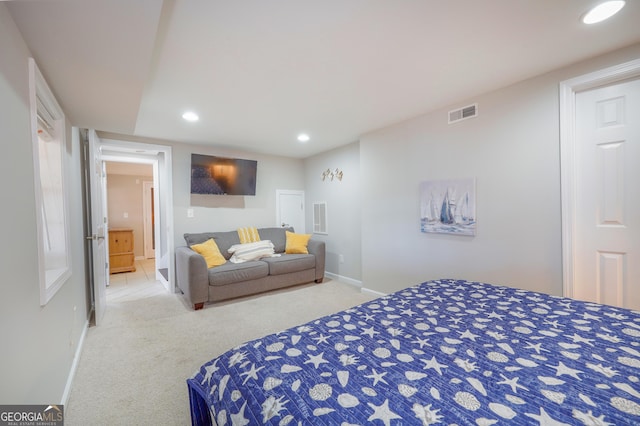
column 192, row 275
column 317, row 248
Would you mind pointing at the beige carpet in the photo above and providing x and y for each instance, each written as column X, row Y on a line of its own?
column 133, row 368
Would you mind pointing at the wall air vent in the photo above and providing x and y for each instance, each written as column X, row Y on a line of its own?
column 463, row 113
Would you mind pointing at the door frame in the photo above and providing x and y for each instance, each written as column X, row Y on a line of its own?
column 95, row 212
column 148, row 231
column 160, row 157
column 568, row 90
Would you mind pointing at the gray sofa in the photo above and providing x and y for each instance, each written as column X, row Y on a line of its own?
column 200, row 285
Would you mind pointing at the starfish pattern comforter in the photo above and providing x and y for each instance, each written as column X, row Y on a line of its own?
column 441, row 352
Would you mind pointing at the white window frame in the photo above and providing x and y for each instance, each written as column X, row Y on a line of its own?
column 320, row 222
column 54, row 249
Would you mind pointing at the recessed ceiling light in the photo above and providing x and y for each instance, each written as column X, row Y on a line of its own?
column 303, row 137
column 603, row 11
column 190, row 116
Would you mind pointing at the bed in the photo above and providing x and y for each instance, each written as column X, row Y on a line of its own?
column 441, row 352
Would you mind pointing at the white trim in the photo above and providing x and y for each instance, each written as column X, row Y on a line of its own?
column 375, row 293
column 147, row 233
column 568, row 90
column 168, row 176
column 127, row 151
column 343, row 279
column 74, row 365
column 40, row 96
column 353, row 282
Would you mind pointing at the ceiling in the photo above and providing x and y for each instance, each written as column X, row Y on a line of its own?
column 260, row 72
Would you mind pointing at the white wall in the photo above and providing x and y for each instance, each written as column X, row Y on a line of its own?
column 38, row 343
column 343, row 208
column 125, row 195
column 513, row 150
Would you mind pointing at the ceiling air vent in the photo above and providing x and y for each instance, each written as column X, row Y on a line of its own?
column 463, row 113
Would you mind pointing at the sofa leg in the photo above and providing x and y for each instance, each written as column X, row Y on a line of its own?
column 319, row 280
column 198, row 306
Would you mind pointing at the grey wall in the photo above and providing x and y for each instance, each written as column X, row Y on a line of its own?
column 513, row 150
column 343, row 207
column 38, row 342
column 215, row 213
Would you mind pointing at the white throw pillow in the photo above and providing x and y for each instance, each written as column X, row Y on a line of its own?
column 251, row 251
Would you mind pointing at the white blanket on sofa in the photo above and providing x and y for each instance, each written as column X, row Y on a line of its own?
column 251, row 251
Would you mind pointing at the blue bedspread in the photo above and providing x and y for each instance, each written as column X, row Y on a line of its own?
column 442, row 352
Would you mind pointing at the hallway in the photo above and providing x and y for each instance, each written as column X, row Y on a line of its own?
column 128, row 286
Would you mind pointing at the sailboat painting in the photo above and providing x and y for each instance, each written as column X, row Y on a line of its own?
column 448, row 206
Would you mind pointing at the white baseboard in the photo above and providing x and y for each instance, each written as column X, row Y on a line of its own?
column 355, row 283
column 376, row 293
column 343, row 279
column 164, row 281
column 74, row 365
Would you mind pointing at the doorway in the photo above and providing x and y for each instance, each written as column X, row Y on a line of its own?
column 102, row 150
column 159, row 157
column 600, row 206
column 130, row 212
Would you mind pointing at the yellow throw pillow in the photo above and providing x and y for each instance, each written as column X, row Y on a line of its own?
column 248, row 235
column 297, row 243
column 211, row 253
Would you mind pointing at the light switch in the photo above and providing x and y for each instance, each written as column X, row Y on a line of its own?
column 126, row 215
column 189, row 212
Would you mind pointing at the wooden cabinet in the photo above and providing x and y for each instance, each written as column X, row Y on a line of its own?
column 121, row 257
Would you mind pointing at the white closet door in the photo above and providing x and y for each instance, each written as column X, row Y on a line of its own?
column 607, row 176
column 290, row 209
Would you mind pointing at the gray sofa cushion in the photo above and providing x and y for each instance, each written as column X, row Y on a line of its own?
column 237, row 272
column 198, row 238
column 224, row 240
column 277, row 237
column 290, row 263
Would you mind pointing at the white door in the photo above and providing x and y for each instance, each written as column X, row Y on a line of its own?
column 148, row 195
column 607, row 197
column 100, row 248
column 290, row 209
